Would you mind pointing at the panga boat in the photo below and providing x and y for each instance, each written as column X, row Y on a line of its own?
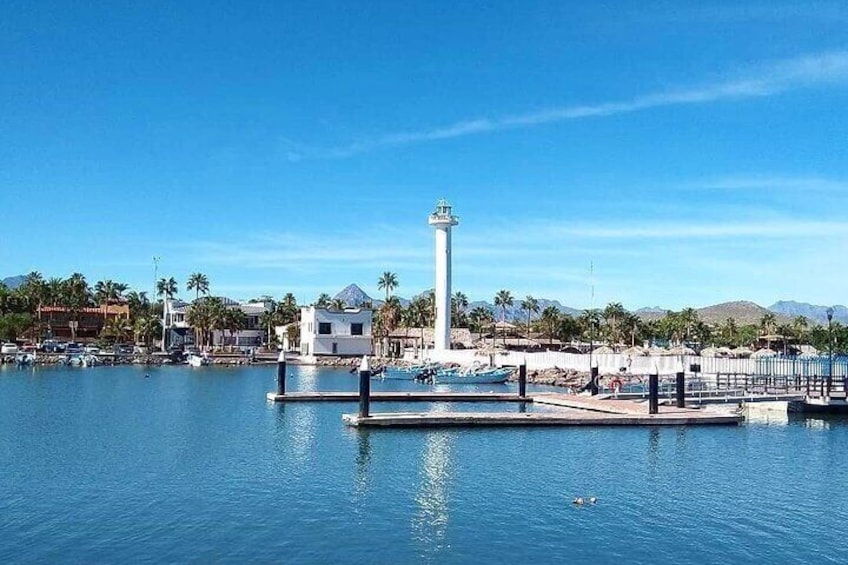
column 199, row 360
column 409, row 373
column 474, row 375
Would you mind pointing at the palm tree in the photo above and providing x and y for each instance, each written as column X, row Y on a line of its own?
column 288, row 308
column 199, row 283
column 106, row 292
column 167, row 288
column 613, row 314
column 76, row 296
column 767, row 325
column 459, row 303
column 235, row 320
column 531, row 306
column 35, row 291
column 387, row 281
column 588, row 321
column 503, row 299
column 799, row 326
column 337, row 304
column 323, row 301
column 550, row 322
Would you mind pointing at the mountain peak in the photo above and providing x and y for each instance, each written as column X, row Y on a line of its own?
column 353, row 296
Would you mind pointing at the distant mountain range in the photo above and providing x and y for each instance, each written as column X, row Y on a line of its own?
column 813, row 313
column 14, row 282
column 744, row 312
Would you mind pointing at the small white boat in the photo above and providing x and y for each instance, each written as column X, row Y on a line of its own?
column 24, row 359
column 199, row 360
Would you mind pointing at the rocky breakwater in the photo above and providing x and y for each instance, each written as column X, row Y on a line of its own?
column 554, row 377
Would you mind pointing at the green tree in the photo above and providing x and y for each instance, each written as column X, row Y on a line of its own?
column 503, row 300
column 199, row 283
column 167, row 288
column 323, row 301
column 459, row 304
column 480, row 318
column 549, row 323
column 388, row 282
column 531, row 306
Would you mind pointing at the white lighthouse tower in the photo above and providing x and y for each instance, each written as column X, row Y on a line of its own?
column 442, row 219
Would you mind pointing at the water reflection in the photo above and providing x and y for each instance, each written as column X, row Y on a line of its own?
column 430, row 522
column 653, row 451
column 296, row 430
column 363, row 460
column 307, row 378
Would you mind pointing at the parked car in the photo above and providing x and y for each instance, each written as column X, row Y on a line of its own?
column 74, row 349
column 123, row 349
column 52, row 346
column 9, row 349
column 92, row 349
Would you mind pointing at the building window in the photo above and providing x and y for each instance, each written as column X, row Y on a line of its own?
column 335, row 348
column 356, row 329
column 325, row 328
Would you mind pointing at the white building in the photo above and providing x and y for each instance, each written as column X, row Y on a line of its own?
column 180, row 333
column 334, row 332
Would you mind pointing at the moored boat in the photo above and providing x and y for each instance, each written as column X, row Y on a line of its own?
column 409, row 373
column 473, row 375
column 24, row 359
column 199, row 360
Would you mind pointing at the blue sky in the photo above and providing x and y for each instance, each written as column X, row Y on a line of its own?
column 692, row 153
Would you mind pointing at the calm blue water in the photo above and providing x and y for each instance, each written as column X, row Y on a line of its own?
column 104, row 465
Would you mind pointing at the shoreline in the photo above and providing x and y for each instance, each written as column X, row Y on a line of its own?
column 565, row 378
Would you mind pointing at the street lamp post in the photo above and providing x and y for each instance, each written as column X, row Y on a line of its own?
column 829, row 313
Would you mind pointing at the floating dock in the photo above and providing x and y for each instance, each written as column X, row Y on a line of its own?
column 573, row 411
column 398, row 397
column 554, row 418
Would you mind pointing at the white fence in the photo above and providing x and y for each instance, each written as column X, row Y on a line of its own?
column 666, row 365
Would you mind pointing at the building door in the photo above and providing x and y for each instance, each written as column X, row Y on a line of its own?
column 335, row 348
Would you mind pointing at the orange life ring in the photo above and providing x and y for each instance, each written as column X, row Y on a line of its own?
column 615, row 385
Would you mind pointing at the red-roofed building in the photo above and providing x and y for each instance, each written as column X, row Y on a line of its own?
column 89, row 320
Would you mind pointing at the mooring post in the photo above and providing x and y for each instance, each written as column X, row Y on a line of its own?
column 594, row 385
column 364, row 387
column 654, row 389
column 281, row 373
column 680, row 386
column 522, row 379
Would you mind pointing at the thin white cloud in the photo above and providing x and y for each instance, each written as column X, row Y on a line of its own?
column 776, row 183
column 790, row 74
column 788, row 229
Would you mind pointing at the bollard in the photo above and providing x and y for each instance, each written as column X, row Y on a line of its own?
column 593, row 378
column 281, row 373
column 522, row 380
column 654, row 390
column 364, row 387
column 680, row 386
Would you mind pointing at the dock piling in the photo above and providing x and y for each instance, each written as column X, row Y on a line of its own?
column 594, row 385
column 680, row 386
column 654, row 389
column 364, row 387
column 281, row 373
column 522, row 379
